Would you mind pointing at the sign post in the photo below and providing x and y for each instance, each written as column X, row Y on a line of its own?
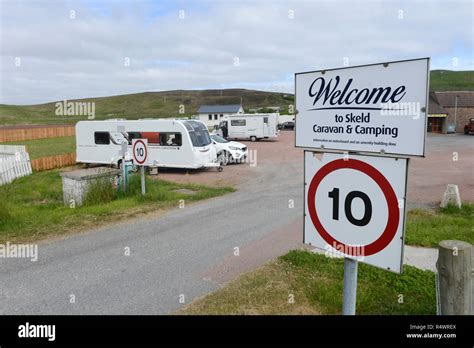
column 140, row 158
column 366, row 121
column 124, row 148
column 350, row 287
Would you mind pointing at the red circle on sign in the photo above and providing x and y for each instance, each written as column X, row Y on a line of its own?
column 390, row 196
column 144, row 149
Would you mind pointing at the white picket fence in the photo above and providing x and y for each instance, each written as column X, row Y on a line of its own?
column 14, row 163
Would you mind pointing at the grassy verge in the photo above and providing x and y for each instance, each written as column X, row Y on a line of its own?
column 47, row 147
column 314, row 282
column 426, row 228
column 32, row 207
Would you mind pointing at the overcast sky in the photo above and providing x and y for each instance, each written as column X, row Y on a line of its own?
column 55, row 50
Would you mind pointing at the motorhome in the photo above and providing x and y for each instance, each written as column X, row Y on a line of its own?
column 249, row 126
column 174, row 143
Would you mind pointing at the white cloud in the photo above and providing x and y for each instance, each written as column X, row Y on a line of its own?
column 84, row 57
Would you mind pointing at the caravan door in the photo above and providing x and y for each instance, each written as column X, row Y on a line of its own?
column 266, row 127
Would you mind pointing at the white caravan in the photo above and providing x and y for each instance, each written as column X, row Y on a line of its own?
column 249, row 126
column 171, row 142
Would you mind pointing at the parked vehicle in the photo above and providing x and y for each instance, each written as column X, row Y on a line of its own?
column 469, row 128
column 287, row 125
column 249, row 126
column 229, row 151
column 171, row 142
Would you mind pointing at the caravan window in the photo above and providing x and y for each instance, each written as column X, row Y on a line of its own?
column 198, row 133
column 238, row 122
column 133, row 135
column 152, row 137
column 171, row 139
column 265, row 120
column 102, row 138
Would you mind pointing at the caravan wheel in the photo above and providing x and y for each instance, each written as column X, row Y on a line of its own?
column 253, row 138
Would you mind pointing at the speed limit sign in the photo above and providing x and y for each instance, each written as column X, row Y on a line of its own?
column 140, row 151
column 355, row 207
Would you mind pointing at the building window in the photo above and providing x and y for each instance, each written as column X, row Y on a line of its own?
column 238, row 123
column 221, row 115
column 210, row 117
column 215, row 117
column 102, row 138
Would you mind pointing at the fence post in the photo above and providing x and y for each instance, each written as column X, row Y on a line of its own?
column 455, row 277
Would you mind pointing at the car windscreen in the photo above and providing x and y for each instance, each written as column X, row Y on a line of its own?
column 219, row 139
column 198, row 133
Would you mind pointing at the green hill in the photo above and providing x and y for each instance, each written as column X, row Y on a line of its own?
column 148, row 104
column 447, row 80
column 167, row 103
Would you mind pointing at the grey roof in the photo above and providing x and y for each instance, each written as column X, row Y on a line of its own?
column 209, row 109
column 434, row 108
column 448, row 99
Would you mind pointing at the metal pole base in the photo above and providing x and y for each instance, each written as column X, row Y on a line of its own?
column 350, row 286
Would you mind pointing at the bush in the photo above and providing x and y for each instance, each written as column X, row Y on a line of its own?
column 99, row 191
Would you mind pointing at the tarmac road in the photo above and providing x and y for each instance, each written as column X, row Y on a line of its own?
column 188, row 252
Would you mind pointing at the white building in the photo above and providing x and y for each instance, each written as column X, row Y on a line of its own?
column 211, row 114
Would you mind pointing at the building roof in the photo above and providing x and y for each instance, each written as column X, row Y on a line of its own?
column 209, row 109
column 448, row 99
column 433, row 106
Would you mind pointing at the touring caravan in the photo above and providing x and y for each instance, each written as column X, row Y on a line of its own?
column 174, row 143
column 249, row 126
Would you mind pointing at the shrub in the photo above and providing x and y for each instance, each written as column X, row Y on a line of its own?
column 100, row 190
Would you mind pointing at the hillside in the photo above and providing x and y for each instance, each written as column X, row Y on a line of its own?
column 447, row 80
column 148, row 104
column 167, row 103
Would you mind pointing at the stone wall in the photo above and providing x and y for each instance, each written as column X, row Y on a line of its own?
column 463, row 115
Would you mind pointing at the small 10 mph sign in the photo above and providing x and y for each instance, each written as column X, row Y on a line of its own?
column 140, row 158
column 140, row 151
column 355, row 207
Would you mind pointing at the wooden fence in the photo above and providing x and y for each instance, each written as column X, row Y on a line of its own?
column 18, row 133
column 51, row 162
column 14, row 163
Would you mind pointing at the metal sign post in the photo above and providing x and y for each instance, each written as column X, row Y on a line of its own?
column 350, row 286
column 124, row 166
column 142, row 169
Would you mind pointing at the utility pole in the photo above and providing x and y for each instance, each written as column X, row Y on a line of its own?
column 455, row 112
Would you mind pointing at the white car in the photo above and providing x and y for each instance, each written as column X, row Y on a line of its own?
column 229, row 151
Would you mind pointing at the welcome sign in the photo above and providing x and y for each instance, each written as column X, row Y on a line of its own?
column 379, row 108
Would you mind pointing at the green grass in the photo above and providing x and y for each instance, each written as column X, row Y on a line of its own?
column 426, row 228
column 446, row 80
column 32, row 207
column 143, row 105
column 47, row 147
column 316, row 283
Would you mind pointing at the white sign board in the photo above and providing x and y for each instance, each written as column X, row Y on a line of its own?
column 355, row 207
column 379, row 108
column 140, row 151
